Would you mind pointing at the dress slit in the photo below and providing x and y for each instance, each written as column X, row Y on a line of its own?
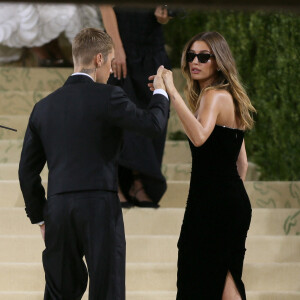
column 238, row 287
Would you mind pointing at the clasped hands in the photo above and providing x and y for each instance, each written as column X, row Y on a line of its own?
column 162, row 80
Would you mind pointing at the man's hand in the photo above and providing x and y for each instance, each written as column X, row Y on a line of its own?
column 158, row 82
column 161, row 14
column 119, row 66
column 42, row 227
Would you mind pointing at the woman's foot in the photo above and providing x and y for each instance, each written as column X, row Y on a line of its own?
column 123, row 200
column 50, row 55
column 139, row 196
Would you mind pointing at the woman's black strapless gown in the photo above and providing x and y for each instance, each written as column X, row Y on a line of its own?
column 216, row 220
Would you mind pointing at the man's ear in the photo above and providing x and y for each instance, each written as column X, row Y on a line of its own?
column 99, row 60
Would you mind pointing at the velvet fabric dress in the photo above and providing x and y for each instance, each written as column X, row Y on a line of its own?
column 143, row 42
column 216, row 220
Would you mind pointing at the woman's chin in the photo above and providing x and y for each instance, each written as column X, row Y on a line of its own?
column 196, row 77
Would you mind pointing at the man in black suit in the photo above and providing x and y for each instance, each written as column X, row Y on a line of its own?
column 77, row 130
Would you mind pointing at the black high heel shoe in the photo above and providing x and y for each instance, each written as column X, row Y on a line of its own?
column 141, row 203
column 57, row 63
column 126, row 204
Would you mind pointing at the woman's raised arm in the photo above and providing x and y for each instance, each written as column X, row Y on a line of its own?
column 111, row 26
column 198, row 128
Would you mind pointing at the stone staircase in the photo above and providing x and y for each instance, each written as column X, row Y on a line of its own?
column 272, row 264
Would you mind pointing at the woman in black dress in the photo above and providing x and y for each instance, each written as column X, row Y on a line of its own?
column 218, row 212
column 139, row 51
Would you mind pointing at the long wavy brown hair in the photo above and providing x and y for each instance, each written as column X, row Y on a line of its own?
column 226, row 77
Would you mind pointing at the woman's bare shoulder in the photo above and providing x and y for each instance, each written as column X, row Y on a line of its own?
column 217, row 93
column 216, row 97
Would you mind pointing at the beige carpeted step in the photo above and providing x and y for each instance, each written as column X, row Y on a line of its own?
column 157, row 249
column 262, row 194
column 153, row 295
column 33, row 79
column 272, row 269
column 10, row 151
column 278, row 295
column 175, row 151
column 19, row 102
column 9, row 171
column 173, row 172
column 157, row 277
column 20, row 122
column 48, row 79
column 164, row 221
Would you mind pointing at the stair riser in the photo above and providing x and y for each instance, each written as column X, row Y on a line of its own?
column 13, row 121
column 175, row 152
column 19, row 122
column 156, row 249
column 31, row 79
column 156, row 296
column 270, row 195
column 49, row 79
column 19, row 102
column 178, row 172
column 140, row 221
column 149, row 277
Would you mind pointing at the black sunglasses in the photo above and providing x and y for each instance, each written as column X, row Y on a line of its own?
column 202, row 57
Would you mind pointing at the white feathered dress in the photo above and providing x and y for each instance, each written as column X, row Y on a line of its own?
column 33, row 25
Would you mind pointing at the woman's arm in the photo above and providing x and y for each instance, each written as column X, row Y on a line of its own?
column 197, row 129
column 242, row 162
column 111, row 26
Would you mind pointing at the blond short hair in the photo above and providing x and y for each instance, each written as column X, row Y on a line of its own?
column 88, row 43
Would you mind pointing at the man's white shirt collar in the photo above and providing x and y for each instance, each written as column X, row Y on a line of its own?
column 157, row 91
column 79, row 73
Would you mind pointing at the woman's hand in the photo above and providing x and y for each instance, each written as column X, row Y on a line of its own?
column 167, row 76
column 161, row 14
column 111, row 26
column 118, row 65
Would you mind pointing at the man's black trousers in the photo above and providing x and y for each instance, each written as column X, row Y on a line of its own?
column 84, row 224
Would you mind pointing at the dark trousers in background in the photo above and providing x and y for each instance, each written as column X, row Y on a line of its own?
column 86, row 224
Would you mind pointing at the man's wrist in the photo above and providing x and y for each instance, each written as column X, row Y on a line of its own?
column 162, row 92
column 40, row 223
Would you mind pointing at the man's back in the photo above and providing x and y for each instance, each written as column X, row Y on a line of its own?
column 80, row 144
column 77, row 130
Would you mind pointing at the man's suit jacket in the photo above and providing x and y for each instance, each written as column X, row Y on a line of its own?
column 77, row 130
